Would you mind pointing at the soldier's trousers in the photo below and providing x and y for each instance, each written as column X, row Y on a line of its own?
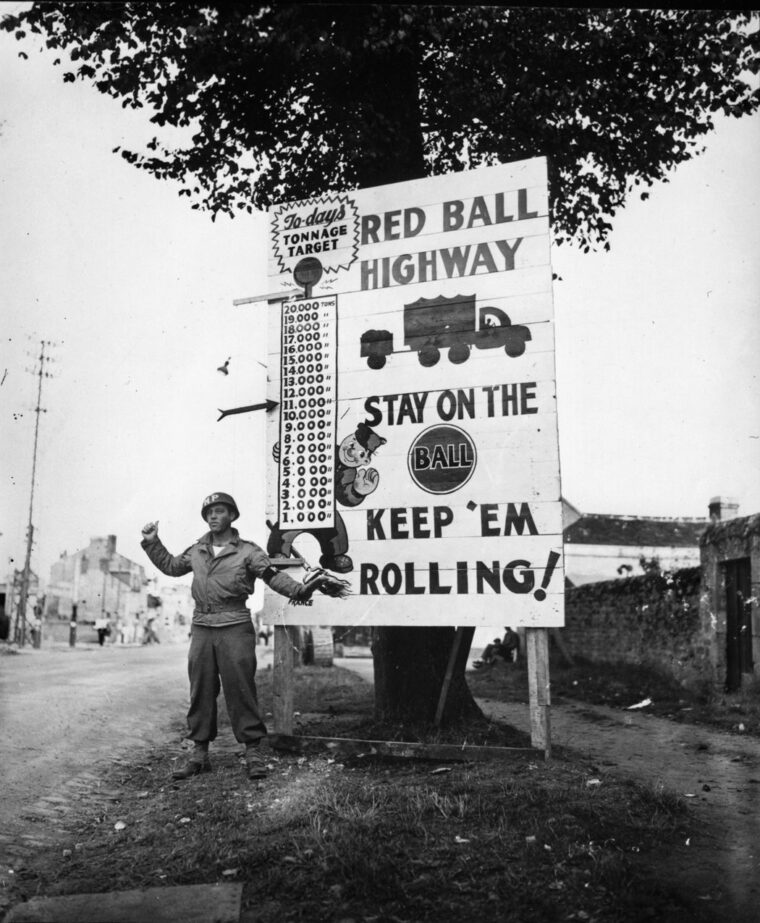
column 226, row 658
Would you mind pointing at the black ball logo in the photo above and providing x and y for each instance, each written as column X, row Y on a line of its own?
column 442, row 459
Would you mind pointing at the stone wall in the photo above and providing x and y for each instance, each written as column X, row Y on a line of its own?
column 649, row 620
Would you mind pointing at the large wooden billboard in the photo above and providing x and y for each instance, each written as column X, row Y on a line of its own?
column 414, row 448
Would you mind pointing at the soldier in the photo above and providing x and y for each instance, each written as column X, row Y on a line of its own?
column 223, row 646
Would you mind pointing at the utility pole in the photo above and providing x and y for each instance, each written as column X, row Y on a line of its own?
column 20, row 632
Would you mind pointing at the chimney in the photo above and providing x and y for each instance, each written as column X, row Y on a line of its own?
column 722, row 508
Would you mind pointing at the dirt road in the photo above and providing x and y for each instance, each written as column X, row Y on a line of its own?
column 63, row 715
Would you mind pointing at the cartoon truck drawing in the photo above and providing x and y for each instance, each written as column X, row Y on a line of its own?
column 453, row 323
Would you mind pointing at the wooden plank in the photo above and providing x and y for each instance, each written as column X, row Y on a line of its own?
column 524, row 295
column 546, row 516
column 413, row 556
column 532, row 234
column 537, row 643
column 514, row 283
column 428, row 195
column 403, row 373
column 397, row 748
column 528, row 299
column 534, row 479
column 495, row 481
column 270, row 297
column 282, row 680
column 408, row 611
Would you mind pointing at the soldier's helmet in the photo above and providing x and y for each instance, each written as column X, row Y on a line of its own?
column 220, row 498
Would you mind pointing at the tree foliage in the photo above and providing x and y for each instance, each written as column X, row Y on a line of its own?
column 283, row 101
column 258, row 104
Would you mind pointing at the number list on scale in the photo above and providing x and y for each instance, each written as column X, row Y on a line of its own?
column 308, row 410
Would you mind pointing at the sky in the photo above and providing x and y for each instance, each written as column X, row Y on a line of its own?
column 657, row 340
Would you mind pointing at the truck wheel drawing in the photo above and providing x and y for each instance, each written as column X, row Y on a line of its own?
column 456, row 324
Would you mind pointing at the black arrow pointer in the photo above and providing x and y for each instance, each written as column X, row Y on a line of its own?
column 267, row 405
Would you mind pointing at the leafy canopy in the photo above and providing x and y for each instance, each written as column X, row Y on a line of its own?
column 283, row 101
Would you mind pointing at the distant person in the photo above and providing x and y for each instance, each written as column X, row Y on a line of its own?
column 510, row 646
column 223, row 641
column 36, row 629
column 490, row 651
column 150, row 636
column 265, row 633
column 103, row 629
column 137, row 628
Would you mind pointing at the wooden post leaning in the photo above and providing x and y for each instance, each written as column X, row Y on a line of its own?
column 456, row 644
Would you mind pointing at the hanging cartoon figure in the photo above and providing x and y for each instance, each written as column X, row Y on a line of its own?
column 353, row 482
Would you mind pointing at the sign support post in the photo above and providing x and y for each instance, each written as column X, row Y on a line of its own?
column 282, row 680
column 537, row 643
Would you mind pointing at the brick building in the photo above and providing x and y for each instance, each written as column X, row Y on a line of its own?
column 98, row 580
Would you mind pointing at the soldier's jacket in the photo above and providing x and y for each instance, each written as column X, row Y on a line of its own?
column 222, row 583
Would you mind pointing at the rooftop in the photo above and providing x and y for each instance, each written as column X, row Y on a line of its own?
column 610, row 529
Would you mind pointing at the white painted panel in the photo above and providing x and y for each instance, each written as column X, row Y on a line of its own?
column 496, row 185
column 494, row 384
column 530, row 306
column 519, row 282
column 404, row 374
column 483, row 610
column 539, row 482
column 452, row 518
column 494, row 248
column 445, row 552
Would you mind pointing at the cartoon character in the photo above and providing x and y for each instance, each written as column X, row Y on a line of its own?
column 354, row 481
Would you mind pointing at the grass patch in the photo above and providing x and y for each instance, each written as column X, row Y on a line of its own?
column 379, row 840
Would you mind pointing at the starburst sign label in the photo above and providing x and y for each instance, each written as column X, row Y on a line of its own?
column 326, row 228
column 414, row 450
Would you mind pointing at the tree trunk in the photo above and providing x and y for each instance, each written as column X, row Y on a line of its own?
column 410, row 663
column 410, row 666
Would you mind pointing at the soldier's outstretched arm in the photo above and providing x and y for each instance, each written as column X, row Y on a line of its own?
column 169, row 564
column 285, row 585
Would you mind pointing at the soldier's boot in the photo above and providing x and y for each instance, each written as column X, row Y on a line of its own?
column 197, row 763
column 255, row 763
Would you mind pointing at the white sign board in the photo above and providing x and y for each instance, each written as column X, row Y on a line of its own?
column 414, row 451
